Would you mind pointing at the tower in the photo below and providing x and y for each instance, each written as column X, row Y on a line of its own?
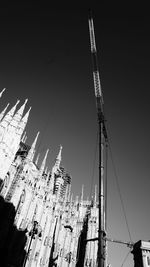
column 3, row 112
column 103, row 140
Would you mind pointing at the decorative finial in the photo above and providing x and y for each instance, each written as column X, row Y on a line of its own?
column 23, row 123
column 23, row 137
column 25, row 118
column 69, row 192
column 14, row 107
column 3, row 112
column 43, row 163
column 32, row 149
column 82, row 193
column 58, row 159
column 46, row 170
column 37, row 159
column 9, row 115
column 12, row 111
column 18, row 101
column 19, row 113
column 2, row 92
column 29, row 109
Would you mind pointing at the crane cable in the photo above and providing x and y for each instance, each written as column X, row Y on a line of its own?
column 108, row 147
column 118, row 187
column 125, row 258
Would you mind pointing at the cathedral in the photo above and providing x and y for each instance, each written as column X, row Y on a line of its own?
column 60, row 231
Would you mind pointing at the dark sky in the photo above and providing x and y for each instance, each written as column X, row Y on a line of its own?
column 45, row 57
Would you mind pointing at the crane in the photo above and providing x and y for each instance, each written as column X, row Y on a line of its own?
column 102, row 138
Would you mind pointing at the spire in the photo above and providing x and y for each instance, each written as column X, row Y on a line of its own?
column 82, row 194
column 69, row 192
column 3, row 112
column 58, row 159
column 18, row 115
column 46, row 170
column 65, row 198
column 48, row 173
column 71, row 200
column 77, row 200
column 32, row 149
column 23, row 137
column 37, row 159
column 43, row 163
column 48, row 178
column 12, row 111
column 24, row 120
column 6, row 120
column 23, row 123
column 19, row 131
column 2, row 92
column 20, row 111
column 8, row 117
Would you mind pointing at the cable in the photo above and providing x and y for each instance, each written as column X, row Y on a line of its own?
column 125, row 258
column 118, row 187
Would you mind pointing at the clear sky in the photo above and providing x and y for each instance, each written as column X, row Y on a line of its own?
column 45, row 57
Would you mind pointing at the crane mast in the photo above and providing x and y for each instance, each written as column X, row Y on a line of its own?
column 101, row 257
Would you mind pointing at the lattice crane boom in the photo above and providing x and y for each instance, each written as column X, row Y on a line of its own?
column 96, row 76
column 102, row 139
